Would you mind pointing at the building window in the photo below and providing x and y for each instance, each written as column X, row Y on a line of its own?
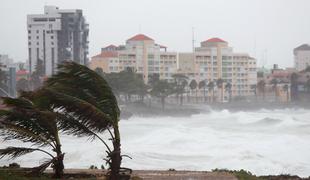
column 38, row 43
column 37, row 31
column 29, row 31
column 52, row 43
column 52, row 37
column 29, row 37
column 37, row 37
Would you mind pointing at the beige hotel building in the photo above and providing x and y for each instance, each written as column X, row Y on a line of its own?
column 213, row 60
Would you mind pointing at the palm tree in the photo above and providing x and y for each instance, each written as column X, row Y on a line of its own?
column 87, row 98
column 180, row 82
column 274, row 83
column 286, row 89
column 219, row 84
column 228, row 87
column 29, row 121
column 261, row 86
column 162, row 89
column 211, row 89
column 193, row 85
column 254, row 88
column 202, row 85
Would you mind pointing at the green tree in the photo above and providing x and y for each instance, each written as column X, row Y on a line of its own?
column 202, row 85
column 162, row 89
column 193, row 86
column 87, row 98
column 254, row 88
column 219, row 84
column 180, row 84
column 228, row 87
column 211, row 86
column 30, row 121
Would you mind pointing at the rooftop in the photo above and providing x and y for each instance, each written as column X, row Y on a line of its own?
column 106, row 54
column 215, row 40
column 140, row 37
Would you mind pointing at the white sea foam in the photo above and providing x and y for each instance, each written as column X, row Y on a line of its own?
column 263, row 142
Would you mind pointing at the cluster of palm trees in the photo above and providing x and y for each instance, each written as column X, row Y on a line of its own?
column 76, row 101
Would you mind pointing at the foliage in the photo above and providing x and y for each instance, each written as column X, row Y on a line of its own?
column 28, row 121
column 162, row 89
column 87, row 102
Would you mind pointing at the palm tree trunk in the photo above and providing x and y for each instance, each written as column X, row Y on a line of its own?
column 58, row 164
column 115, row 156
column 181, row 99
column 204, row 94
column 196, row 96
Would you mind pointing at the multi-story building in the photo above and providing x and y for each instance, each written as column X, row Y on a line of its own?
column 56, row 36
column 212, row 61
column 302, row 57
column 142, row 54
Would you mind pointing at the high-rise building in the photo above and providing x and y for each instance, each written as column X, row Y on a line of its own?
column 302, row 57
column 57, row 35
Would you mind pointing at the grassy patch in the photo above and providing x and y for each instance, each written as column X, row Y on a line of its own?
column 240, row 174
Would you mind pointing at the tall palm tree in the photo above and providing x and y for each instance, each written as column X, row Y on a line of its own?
column 86, row 96
column 29, row 121
column 261, row 86
column 228, row 87
column 286, row 89
column 211, row 86
column 202, row 85
column 180, row 82
column 193, row 85
column 219, row 84
column 254, row 88
column 274, row 83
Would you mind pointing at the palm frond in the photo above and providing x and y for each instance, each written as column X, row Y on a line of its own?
column 15, row 152
column 88, row 114
column 81, row 82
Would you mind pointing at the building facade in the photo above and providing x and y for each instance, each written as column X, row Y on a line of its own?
column 140, row 53
column 213, row 60
column 302, row 57
column 57, row 36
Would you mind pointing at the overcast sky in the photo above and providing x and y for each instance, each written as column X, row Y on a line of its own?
column 268, row 30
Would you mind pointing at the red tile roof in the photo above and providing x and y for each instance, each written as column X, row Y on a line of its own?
column 21, row 72
column 106, row 54
column 140, row 37
column 215, row 40
column 110, row 46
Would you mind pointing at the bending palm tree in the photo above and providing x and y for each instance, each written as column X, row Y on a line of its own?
column 28, row 121
column 88, row 99
column 219, row 84
column 228, row 87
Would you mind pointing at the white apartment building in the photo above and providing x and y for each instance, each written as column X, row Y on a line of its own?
column 302, row 57
column 57, row 36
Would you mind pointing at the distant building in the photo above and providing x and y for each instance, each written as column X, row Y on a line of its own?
column 212, row 61
column 141, row 53
column 56, row 36
column 302, row 57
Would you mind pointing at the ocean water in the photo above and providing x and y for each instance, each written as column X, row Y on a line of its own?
column 263, row 142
